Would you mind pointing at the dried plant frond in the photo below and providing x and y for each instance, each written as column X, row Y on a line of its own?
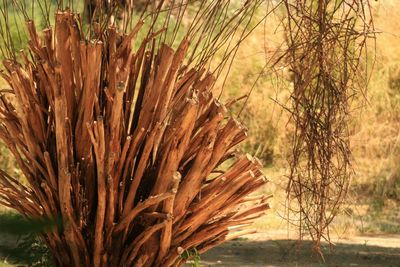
column 115, row 127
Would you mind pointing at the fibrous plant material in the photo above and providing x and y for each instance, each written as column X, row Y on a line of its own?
column 326, row 45
column 121, row 137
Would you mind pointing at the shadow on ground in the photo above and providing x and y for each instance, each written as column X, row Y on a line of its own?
column 289, row 253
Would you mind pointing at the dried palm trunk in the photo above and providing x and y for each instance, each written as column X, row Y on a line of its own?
column 121, row 143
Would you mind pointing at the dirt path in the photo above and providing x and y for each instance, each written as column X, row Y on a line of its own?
column 276, row 251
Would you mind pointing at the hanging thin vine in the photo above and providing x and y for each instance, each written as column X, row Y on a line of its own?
column 327, row 42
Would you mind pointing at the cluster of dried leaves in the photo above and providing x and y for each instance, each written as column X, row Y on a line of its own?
column 121, row 136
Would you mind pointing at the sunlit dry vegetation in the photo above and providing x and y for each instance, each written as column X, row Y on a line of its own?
column 257, row 89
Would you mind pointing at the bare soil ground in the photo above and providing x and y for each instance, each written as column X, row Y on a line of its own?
column 274, row 250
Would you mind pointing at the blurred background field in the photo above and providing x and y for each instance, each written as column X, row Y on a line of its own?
column 375, row 136
column 373, row 206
